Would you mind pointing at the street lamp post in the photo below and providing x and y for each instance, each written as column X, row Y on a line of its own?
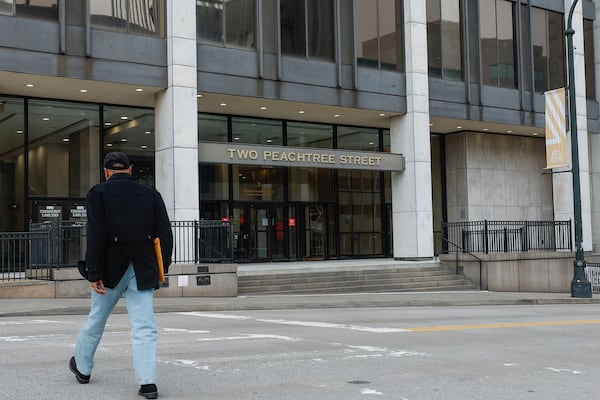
column 580, row 285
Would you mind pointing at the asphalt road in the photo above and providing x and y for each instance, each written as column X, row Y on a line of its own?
column 407, row 353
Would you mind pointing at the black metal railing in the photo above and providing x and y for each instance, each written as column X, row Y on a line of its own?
column 592, row 272
column 507, row 236
column 33, row 254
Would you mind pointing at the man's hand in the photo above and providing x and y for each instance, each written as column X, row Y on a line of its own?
column 98, row 287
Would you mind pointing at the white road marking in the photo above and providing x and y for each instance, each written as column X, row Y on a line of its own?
column 187, row 363
column 572, row 371
column 249, row 337
column 181, row 330
column 32, row 322
column 371, row 391
column 312, row 324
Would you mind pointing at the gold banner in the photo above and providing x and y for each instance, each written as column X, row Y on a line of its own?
column 556, row 137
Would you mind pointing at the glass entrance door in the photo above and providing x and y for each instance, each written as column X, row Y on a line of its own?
column 259, row 232
column 314, row 232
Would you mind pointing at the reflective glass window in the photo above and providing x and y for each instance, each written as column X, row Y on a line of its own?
column 548, row 49
column 526, row 48
column 300, row 134
column 590, row 70
column 444, row 39
column 63, row 143
column 212, row 128
column 227, row 23
column 379, row 34
column 356, row 138
column 42, row 9
column 131, row 130
column 257, row 131
column 307, row 28
column 6, row 7
column 12, row 164
column 497, row 43
column 311, row 184
column 134, row 16
column 213, row 182
column 258, row 183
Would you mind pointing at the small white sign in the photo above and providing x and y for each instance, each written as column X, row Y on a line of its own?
column 182, row 280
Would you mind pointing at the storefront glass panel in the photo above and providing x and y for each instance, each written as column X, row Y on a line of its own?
column 311, row 184
column 131, row 130
column 12, row 175
column 355, row 138
column 300, row 134
column 258, row 183
column 212, row 128
column 257, row 131
column 214, row 182
column 63, row 143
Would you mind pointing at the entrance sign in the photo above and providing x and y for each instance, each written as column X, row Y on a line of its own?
column 231, row 153
column 556, row 138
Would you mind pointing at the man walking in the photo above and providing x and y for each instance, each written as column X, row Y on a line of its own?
column 124, row 217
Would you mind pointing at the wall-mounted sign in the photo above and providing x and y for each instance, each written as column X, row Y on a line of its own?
column 231, row 153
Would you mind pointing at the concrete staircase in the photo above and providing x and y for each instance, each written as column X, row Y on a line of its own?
column 334, row 277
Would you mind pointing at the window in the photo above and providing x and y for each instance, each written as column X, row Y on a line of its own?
column 131, row 16
column 256, row 131
column 497, row 43
column 229, row 23
column 379, row 34
column 300, row 134
column 360, row 139
column 40, row 9
column 131, row 130
column 548, row 49
column 307, row 28
column 212, row 128
column 444, row 39
column 590, row 73
column 12, row 171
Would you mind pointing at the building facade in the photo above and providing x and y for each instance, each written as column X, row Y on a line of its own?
column 322, row 129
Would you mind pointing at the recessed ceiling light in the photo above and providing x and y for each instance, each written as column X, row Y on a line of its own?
column 336, row 115
column 382, row 114
column 430, row 124
column 263, row 108
column 236, row 138
column 66, row 139
column 148, row 132
column 269, row 140
column 485, row 129
column 124, row 117
column 371, row 143
column 30, row 85
column 123, row 139
column 144, row 146
column 508, row 131
column 301, row 112
column 198, row 95
column 223, row 104
column 535, row 134
column 20, row 132
column 459, row 127
column 108, row 123
column 83, row 90
column 45, row 119
column 139, row 90
column 108, row 144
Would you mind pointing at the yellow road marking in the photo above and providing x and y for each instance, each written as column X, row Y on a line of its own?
column 503, row 325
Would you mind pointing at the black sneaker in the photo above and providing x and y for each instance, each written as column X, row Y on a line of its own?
column 81, row 378
column 148, row 391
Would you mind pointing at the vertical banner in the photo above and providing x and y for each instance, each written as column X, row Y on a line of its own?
column 556, row 137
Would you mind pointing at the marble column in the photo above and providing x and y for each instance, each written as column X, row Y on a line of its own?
column 412, row 208
column 177, row 116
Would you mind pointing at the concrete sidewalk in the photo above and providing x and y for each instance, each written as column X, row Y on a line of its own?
column 44, row 307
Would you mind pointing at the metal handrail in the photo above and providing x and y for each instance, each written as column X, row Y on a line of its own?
column 464, row 252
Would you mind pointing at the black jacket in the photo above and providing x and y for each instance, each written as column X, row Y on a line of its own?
column 123, row 218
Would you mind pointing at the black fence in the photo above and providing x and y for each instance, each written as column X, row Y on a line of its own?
column 506, row 236
column 33, row 254
column 592, row 272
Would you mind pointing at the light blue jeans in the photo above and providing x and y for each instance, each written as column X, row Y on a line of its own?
column 140, row 308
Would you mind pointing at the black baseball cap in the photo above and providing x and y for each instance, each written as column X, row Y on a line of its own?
column 116, row 160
